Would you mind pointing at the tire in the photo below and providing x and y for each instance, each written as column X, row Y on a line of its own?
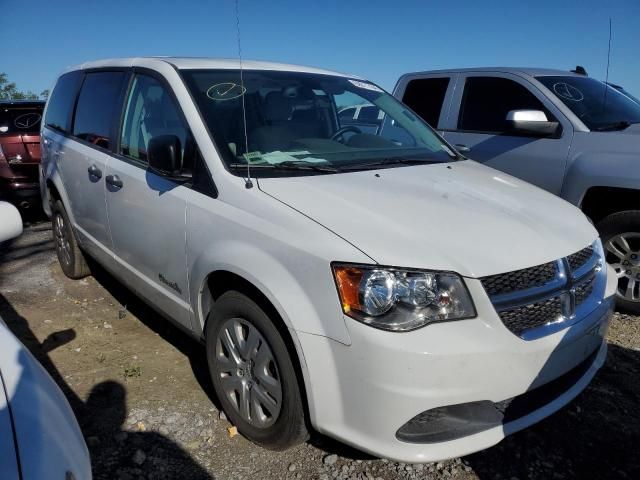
column 71, row 258
column 613, row 229
column 236, row 316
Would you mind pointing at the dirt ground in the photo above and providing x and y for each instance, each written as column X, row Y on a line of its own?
column 142, row 396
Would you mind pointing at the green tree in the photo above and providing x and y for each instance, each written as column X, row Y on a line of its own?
column 9, row 91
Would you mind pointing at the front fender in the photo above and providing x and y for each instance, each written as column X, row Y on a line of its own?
column 600, row 168
column 303, row 293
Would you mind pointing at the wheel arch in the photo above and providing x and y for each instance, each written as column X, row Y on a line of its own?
column 55, row 191
column 601, row 201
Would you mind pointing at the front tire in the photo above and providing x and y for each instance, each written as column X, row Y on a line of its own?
column 70, row 256
column 253, row 374
column 620, row 233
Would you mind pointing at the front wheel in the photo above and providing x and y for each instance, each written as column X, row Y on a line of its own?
column 620, row 233
column 253, row 374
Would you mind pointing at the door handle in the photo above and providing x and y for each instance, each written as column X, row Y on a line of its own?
column 94, row 171
column 462, row 148
column 114, row 181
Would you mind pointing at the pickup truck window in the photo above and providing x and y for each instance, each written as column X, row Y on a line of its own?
column 586, row 98
column 425, row 96
column 487, row 100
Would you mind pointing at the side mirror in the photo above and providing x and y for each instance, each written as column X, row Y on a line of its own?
column 532, row 123
column 165, row 155
column 10, row 222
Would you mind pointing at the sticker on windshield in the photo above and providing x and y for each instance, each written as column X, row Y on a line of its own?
column 252, row 157
column 569, row 92
column 365, row 85
column 27, row 120
column 225, row 91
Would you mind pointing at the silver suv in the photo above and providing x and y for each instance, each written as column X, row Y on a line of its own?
column 562, row 131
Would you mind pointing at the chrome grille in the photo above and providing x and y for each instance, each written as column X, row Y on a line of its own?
column 584, row 290
column 578, row 259
column 519, row 279
column 532, row 315
column 540, row 300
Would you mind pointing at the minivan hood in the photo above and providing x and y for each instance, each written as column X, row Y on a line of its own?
column 459, row 216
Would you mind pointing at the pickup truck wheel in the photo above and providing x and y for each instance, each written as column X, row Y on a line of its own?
column 253, row 374
column 70, row 256
column 620, row 233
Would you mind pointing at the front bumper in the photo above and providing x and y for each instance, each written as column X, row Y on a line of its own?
column 362, row 394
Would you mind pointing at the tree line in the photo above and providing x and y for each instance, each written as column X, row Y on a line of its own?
column 9, row 91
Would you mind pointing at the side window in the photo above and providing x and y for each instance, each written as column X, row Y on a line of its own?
column 347, row 114
column 426, row 96
column 369, row 114
column 97, row 103
column 150, row 112
column 58, row 116
column 487, row 100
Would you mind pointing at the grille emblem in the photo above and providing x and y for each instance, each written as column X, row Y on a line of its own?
column 568, row 294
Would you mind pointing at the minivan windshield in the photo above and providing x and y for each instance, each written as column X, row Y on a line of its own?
column 281, row 121
column 599, row 106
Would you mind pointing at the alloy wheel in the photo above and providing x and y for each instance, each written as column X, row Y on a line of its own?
column 248, row 373
column 62, row 241
column 623, row 254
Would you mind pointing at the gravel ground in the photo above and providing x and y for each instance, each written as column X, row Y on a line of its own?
column 146, row 406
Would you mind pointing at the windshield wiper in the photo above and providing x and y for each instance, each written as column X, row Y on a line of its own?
column 289, row 165
column 390, row 161
column 614, row 126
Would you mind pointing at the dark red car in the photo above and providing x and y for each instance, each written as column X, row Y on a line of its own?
column 20, row 151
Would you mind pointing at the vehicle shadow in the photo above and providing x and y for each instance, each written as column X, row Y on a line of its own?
column 190, row 347
column 115, row 453
column 596, row 436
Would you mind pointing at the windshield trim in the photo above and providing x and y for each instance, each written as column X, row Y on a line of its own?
column 233, row 169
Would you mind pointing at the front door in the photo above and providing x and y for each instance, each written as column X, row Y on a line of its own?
column 480, row 124
column 147, row 211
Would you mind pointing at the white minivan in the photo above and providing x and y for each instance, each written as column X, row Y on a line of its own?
column 375, row 286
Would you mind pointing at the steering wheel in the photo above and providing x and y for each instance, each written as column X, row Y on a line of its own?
column 346, row 129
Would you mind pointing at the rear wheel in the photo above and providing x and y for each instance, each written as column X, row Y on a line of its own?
column 253, row 374
column 620, row 234
column 70, row 256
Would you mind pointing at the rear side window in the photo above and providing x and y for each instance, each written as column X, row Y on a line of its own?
column 98, row 102
column 60, row 107
column 425, row 96
column 487, row 100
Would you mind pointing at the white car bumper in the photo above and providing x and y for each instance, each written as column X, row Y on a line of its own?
column 362, row 394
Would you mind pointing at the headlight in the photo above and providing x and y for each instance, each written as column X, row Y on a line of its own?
column 400, row 299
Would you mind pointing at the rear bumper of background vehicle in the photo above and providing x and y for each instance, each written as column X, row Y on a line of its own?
column 19, row 191
column 364, row 393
